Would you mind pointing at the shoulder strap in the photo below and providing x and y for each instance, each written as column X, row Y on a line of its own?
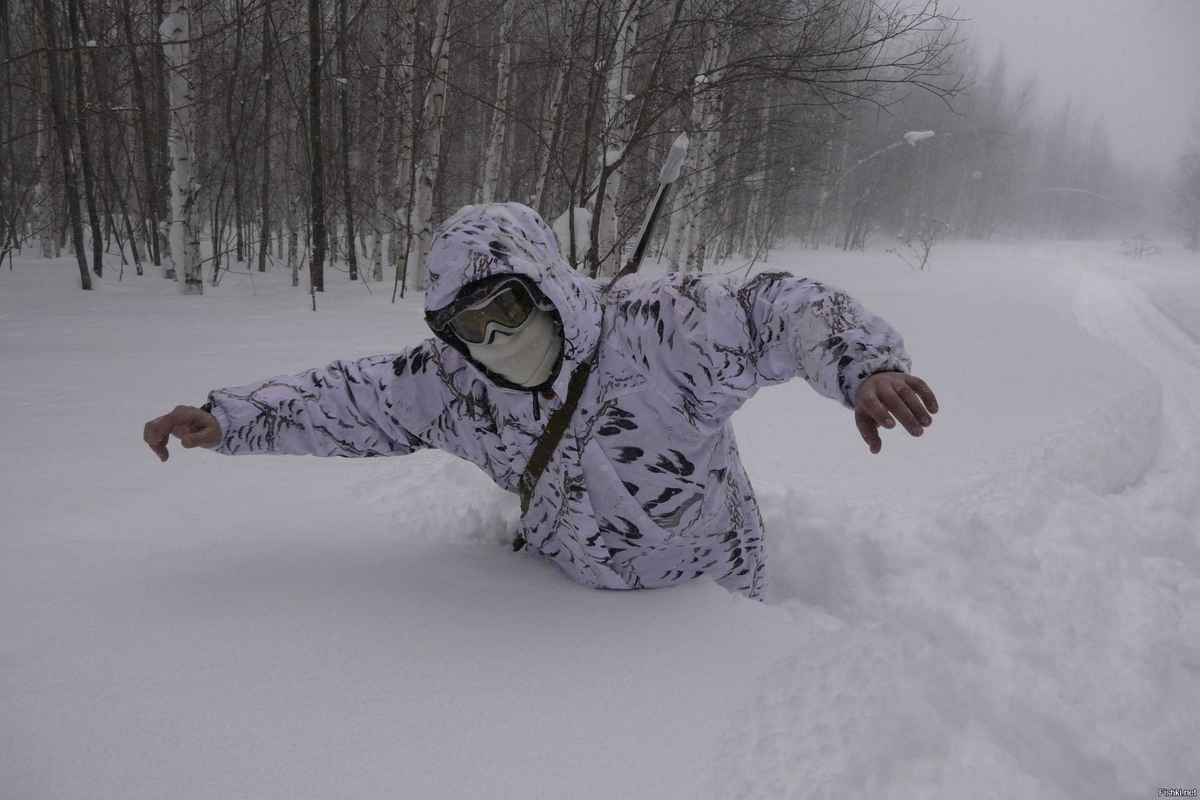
column 556, row 426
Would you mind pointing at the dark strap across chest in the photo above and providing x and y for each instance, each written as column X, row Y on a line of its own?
column 556, row 426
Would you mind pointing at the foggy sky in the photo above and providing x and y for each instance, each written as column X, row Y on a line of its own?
column 1137, row 62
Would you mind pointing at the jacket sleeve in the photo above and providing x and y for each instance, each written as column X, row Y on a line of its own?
column 802, row 327
column 735, row 336
column 350, row 408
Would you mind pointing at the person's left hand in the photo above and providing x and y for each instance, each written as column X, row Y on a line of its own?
column 886, row 397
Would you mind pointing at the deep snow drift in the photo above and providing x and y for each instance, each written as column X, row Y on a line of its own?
column 1006, row 607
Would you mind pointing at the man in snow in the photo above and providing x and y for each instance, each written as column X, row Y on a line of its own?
column 638, row 483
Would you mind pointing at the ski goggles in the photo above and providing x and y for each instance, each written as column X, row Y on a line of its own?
column 502, row 305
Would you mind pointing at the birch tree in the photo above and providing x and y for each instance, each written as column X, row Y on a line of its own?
column 553, row 119
column 379, row 215
column 400, row 244
column 421, row 216
column 268, row 83
column 148, row 189
column 82, row 138
column 344, row 102
column 753, row 239
column 292, row 212
column 43, row 199
column 316, row 173
column 495, row 152
column 11, row 213
column 710, row 143
column 616, row 103
column 687, row 204
column 58, row 108
column 185, row 224
column 554, row 102
column 232, row 136
column 653, row 100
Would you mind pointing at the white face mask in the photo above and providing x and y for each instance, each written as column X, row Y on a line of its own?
column 527, row 355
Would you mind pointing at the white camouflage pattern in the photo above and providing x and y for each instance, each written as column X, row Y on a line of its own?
column 646, row 488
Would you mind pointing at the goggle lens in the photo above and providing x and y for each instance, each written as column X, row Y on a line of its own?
column 508, row 308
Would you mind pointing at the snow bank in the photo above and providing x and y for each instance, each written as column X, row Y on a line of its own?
column 1037, row 635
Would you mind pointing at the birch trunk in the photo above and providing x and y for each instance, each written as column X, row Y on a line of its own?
column 421, row 219
column 684, row 206
column 400, row 243
column 58, row 107
column 291, row 27
column 495, row 151
column 379, row 218
column 293, row 210
column 752, row 235
column 233, row 134
column 134, row 223
column 344, row 97
column 83, row 139
column 146, row 194
column 828, row 182
column 268, row 85
column 552, row 125
column 706, row 170
column 149, row 196
column 316, row 178
column 42, row 198
column 184, row 225
column 616, row 129
column 15, row 217
column 120, row 191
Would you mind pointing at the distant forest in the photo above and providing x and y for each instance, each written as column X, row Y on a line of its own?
column 206, row 136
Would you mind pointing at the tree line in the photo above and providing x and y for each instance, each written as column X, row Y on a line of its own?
column 334, row 134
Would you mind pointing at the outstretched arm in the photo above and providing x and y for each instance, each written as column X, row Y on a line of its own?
column 350, row 408
column 728, row 337
column 845, row 352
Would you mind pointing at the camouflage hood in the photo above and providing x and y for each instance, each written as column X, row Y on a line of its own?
column 497, row 239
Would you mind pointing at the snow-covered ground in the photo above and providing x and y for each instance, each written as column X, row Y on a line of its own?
column 1008, row 607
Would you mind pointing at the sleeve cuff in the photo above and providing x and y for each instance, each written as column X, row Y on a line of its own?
column 212, row 407
column 866, row 371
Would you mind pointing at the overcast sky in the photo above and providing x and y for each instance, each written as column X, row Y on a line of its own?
column 1137, row 62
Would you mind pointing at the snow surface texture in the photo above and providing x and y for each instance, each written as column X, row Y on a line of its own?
column 1008, row 607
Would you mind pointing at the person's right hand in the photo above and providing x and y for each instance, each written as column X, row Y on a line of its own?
column 193, row 427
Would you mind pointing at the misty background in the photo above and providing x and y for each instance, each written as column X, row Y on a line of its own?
column 199, row 138
column 1134, row 64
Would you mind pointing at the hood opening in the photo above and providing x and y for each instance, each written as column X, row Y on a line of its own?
column 438, row 321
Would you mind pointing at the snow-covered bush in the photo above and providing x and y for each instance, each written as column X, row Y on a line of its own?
column 918, row 246
column 1139, row 246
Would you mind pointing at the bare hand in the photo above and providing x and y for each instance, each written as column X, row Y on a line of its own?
column 886, row 397
column 193, row 427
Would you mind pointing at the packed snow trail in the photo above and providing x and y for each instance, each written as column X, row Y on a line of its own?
column 1005, row 608
column 1037, row 637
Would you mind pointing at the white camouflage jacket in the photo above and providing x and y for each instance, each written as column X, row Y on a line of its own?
column 646, row 488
